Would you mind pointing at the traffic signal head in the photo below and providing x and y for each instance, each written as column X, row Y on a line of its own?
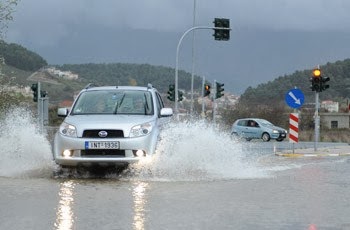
column 316, row 80
column 219, row 90
column 222, row 29
column 206, row 90
column 324, row 84
column 43, row 93
column 180, row 95
column 34, row 88
column 171, row 92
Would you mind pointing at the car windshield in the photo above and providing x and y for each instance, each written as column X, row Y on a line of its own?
column 265, row 122
column 134, row 102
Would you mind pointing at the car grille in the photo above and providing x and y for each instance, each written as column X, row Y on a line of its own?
column 103, row 153
column 111, row 133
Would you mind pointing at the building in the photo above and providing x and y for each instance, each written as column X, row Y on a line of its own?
column 335, row 120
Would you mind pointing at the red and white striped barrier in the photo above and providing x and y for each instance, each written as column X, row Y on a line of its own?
column 294, row 128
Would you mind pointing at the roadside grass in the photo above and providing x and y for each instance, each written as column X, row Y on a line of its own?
column 339, row 135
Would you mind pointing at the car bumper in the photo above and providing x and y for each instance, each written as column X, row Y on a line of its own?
column 278, row 135
column 126, row 151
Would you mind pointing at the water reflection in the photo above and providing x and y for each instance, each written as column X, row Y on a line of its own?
column 140, row 202
column 65, row 213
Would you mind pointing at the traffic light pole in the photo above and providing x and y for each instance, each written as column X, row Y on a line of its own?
column 317, row 121
column 203, row 83
column 177, row 57
column 214, row 103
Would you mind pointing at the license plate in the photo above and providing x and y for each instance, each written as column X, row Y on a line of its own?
column 101, row 145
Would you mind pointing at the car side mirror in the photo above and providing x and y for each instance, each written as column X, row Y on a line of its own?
column 62, row 112
column 166, row 112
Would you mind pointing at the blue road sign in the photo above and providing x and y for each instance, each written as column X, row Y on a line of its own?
column 294, row 98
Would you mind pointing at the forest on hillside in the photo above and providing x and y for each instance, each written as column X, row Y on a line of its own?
column 267, row 100
column 19, row 57
column 132, row 74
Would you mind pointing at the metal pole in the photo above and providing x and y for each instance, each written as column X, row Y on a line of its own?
column 177, row 58
column 40, row 108
column 214, row 104
column 203, row 83
column 193, row 54
column 317, row 121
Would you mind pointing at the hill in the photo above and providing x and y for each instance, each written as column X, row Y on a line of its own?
column 273, row 91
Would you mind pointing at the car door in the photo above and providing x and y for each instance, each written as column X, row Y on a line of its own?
column 254, row 129
column 251, row 129
column 242, row 128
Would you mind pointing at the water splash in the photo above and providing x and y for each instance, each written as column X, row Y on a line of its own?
column 24, row 151
column 193, row 151
column 196, row 151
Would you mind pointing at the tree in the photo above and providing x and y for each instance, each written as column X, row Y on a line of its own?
column 6, row 10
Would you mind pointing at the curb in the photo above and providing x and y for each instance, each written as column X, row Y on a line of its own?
column 311, row 154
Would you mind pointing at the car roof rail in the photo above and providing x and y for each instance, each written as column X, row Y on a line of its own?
column 149, row 86
column 89, row 85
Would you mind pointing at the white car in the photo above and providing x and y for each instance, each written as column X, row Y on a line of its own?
column 110, row 125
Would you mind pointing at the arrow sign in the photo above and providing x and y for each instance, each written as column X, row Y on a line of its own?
column 294, row 98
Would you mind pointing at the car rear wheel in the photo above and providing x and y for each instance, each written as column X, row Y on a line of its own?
column 265, row 137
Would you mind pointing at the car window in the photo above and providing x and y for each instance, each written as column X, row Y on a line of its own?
column 242, row 123
column 114, row 102
column 265, row 122
column 252, row 123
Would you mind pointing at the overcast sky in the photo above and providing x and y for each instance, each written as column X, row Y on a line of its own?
column 51, row 20
column 44, row 25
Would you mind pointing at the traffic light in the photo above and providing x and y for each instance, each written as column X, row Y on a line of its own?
column 171, row 92
column 34, row 88
column 316, row 80
column 43, row 93
column 206, row 90
column 180, row 95
column 324, row 84
column 219, row 90
column 222, row 34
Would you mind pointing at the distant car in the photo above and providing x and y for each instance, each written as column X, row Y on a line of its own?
column 110, row 125
column 255, row 128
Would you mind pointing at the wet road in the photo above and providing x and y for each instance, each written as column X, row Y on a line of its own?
column 290, row 194
column 205, row 181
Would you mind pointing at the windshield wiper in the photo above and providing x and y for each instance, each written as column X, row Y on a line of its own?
column 118, row 104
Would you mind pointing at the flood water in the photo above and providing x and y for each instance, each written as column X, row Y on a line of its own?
column 199, row 179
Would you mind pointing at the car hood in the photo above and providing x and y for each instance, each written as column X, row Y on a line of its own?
column 101, row 122
column 272, row 127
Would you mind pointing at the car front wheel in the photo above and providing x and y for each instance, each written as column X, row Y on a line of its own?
column 280, row 139
column 265, row 137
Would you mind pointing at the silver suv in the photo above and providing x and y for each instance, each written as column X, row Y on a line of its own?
column 110, row 125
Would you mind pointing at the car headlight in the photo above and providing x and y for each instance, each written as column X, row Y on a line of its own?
column 275, row 131
column 141, row 130
column 68, row 130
